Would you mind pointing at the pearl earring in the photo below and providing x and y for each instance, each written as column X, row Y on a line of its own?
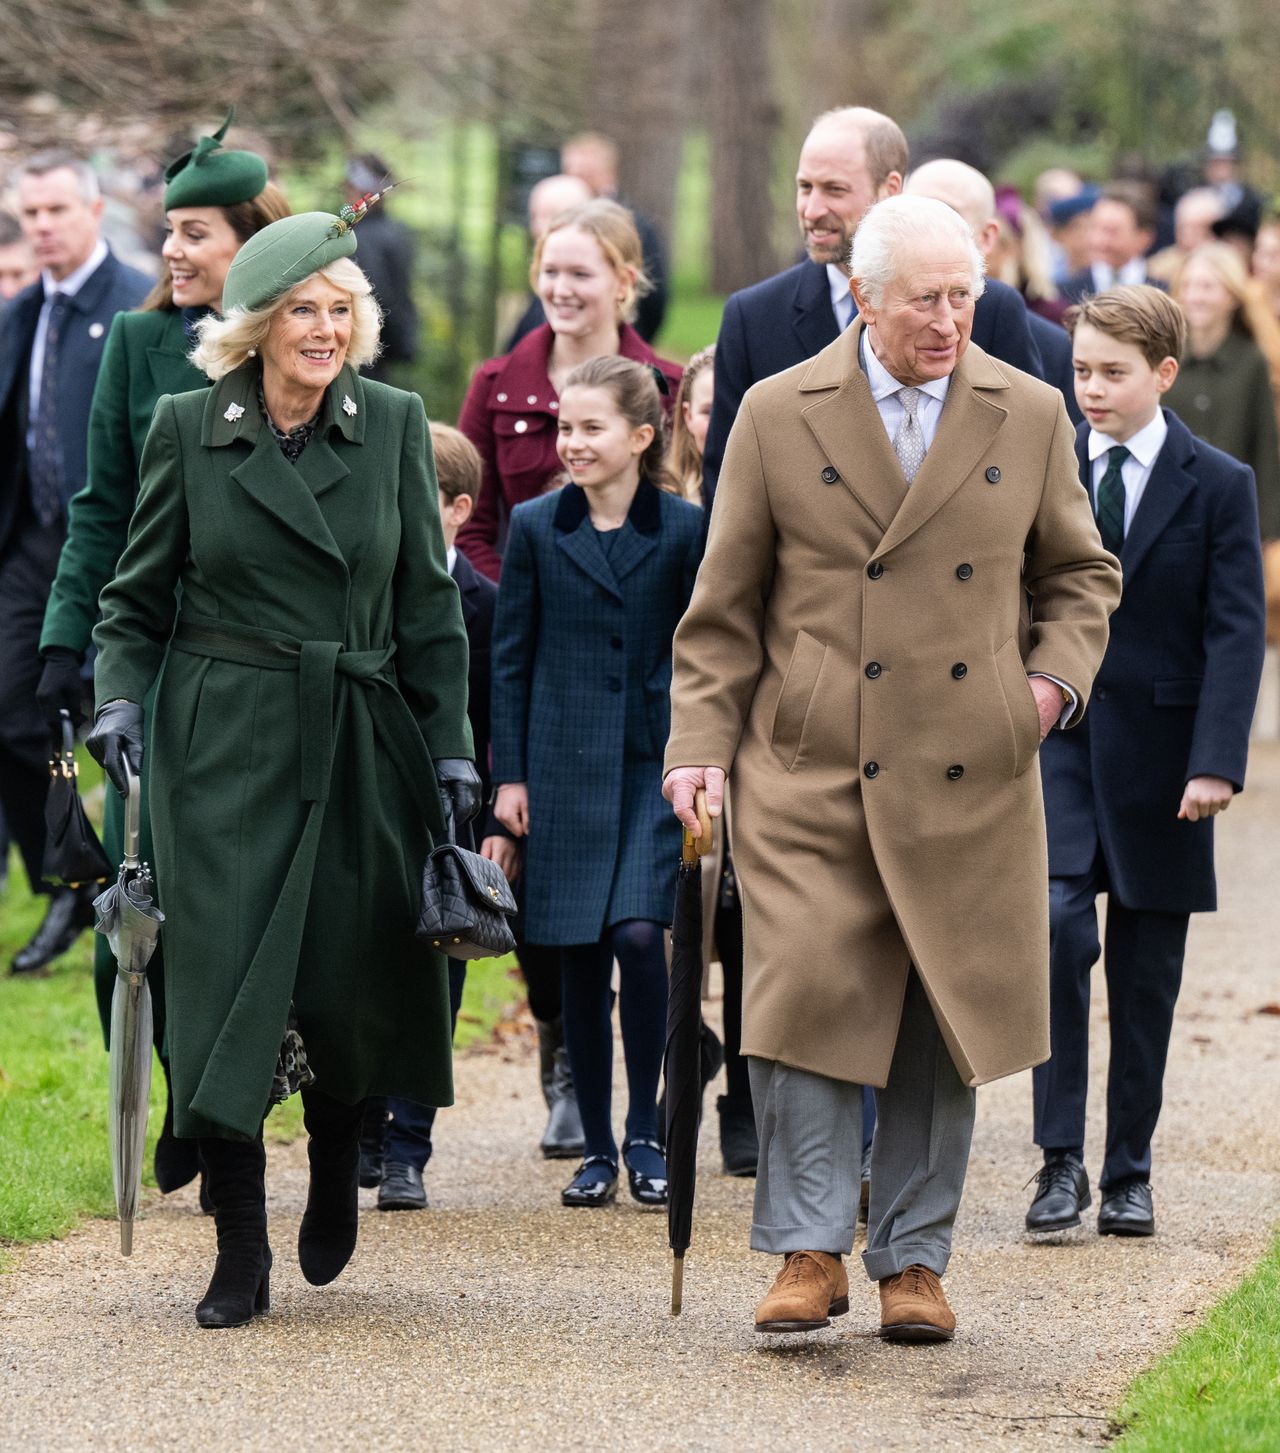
column 253, row 353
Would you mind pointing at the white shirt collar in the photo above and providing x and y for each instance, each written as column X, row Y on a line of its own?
column 841, row 298
column 884, row 385
column 451, row 558
column 1144, row 445
column 73, row 282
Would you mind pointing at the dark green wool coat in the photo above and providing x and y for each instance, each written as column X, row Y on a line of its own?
column 145, row 356
column 317, row 665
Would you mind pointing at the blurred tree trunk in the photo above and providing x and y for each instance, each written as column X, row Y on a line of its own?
column 744, row 124
column 640, row 85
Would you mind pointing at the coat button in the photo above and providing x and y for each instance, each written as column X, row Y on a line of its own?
column 871, row 769
column 829, row 475
column 533, row 399
column 1100, row 694
column 616, row 642
column 993, row 475
column 502, row 398
column 614, row 683
column 963, row 572
column 875, row 570
column 873, row 669
column 956, row 772
column 521, row 425
column 959, row 671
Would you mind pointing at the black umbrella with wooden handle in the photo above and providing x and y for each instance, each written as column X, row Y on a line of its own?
column 682, row 1062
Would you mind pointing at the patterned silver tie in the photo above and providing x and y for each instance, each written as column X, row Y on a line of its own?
column 908, row 442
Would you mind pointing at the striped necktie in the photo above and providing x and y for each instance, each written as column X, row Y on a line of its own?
column 1111, row 500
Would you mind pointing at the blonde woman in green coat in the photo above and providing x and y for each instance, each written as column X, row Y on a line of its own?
column 309, row 724
column 214, row 201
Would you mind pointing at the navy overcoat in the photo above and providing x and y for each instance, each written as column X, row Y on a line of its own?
column 1175, row 694
column 581, row 705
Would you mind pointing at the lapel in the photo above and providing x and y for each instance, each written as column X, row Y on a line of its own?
column 92, row 295
column 464, row 577
column 847, row 424
column 1170, row 483
column 970, row 421
column 290, row 492
column 812, row 316
column 577, row 537
column 172, row 372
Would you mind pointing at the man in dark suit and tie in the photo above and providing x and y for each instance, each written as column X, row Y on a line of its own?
column 51, row 339
column 851, row 158
column 1122, row 230
column 1131, row 795
column 965, row 189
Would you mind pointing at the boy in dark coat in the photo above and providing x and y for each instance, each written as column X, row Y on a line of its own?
column 1130, row 796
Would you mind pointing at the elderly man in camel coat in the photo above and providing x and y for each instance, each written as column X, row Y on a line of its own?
column 904, row 590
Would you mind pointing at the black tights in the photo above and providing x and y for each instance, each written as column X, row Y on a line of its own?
column 638, row 946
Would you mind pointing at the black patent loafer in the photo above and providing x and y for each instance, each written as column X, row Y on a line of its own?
column 648, row 1190
column 1126, row 1210
column 591, row 1191
column 1062, row 1192
column 401, row 1188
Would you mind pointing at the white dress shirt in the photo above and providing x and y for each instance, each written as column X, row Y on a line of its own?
column 841, row 297
column 451, row 558
column 70, row 286
column 1129, row 274
column 884, row 390
column 1136, row 470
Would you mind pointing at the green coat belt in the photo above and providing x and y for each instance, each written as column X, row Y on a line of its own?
column 318, row 667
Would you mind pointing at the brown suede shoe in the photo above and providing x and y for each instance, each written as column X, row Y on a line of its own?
column 914, row 1308
column 811, row 1288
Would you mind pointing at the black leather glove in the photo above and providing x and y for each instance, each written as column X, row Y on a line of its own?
column 459, row 784
column 116, row 738
column 61, row 687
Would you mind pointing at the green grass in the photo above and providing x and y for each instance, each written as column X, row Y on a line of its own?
column 54, row 1164
column 1218, row 1391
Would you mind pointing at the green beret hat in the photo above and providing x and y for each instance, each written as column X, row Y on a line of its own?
column 207, row 176
column 281, row 255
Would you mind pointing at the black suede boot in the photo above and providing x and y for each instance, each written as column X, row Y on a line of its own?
column 327, row 1236
column 177, row 1161
column 241, row 1283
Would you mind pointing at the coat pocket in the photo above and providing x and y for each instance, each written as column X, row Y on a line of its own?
column 795, row 698
column 1176, row 690
column 1020, row 703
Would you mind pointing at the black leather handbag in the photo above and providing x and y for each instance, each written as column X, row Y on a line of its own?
column 72, row 853
column 467, row 905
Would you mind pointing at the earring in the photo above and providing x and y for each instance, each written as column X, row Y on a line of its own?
column 253, row 353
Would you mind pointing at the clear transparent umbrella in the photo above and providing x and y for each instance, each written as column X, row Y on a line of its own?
column 127, row 915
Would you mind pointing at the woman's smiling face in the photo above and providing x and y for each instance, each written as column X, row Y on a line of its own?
column 198, row 246
column 580, row 291
column 310, row 332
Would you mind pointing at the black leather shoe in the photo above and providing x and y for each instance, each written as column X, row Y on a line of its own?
column 401, row 1188
column 1062, row 1192
column 649, row 1190
column 595, row 1190
column 1126, row 1210
column 69, row 913
column 739, row 1148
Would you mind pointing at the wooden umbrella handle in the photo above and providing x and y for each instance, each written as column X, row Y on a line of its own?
column 698, row 847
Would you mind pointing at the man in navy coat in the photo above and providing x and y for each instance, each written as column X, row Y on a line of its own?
column 51, row 339
column 851, row 158
column 1131, row 794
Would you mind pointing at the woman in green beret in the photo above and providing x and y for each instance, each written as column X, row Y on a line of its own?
column 307, row 735
column 214, row 201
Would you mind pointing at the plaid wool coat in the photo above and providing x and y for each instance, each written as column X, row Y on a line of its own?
column 581, row 707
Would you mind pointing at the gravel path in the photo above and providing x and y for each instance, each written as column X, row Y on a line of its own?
column 497, row 1319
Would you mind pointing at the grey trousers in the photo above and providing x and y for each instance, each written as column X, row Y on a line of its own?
column 810, row 1130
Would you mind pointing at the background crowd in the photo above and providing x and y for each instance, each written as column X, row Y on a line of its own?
column 570, row 628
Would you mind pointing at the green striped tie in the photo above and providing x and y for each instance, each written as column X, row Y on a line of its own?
column 1111, row 501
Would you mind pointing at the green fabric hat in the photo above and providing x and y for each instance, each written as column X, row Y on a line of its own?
column 281, row 255
column 207, row 176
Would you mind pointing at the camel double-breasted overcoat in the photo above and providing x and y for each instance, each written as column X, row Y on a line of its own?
column 315, row 669
column 855, row 655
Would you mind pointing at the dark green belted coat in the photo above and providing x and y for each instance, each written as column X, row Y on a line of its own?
column 318, row 665
column 145, row 356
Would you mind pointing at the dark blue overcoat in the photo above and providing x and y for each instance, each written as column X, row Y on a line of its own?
column 1175, row 695
column 581, row 707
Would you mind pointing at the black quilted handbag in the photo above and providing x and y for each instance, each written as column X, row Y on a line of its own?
column 466, row 905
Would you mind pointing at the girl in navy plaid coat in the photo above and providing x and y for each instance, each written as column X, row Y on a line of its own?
column 595, row 579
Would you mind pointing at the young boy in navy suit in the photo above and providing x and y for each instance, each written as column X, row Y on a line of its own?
column 1130, row 796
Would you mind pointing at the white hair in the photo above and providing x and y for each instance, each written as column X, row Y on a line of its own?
column 225, row 343
column 896, row 223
